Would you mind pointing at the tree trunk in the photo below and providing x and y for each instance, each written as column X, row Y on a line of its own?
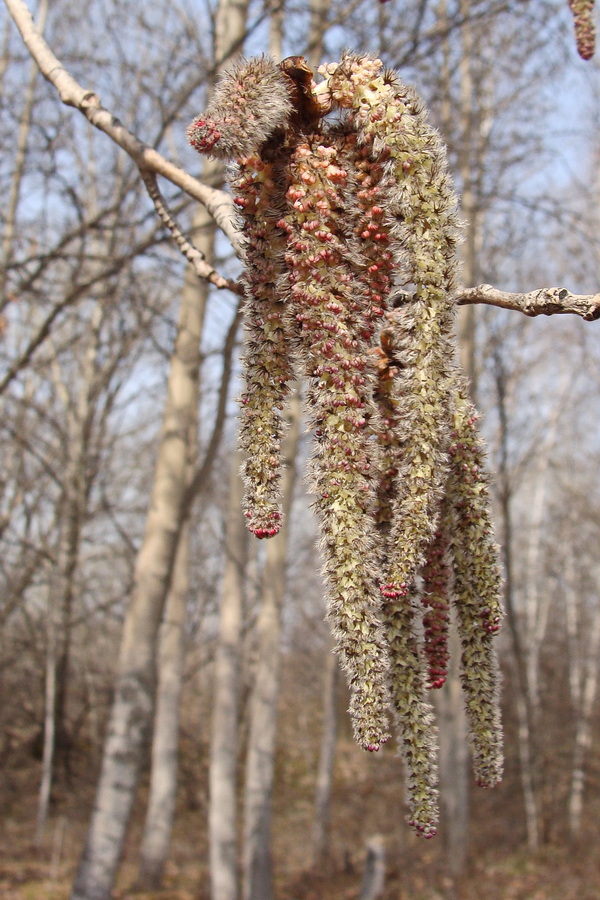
column 522, row 699
column 320, row 843
column 583, row 702
column 449, row 701
column 49, row 723
column 374, row 874
column 133, row 704
column 72, row 509
column 224, row 742
column 165, row 742
column 454, row 765
column 163, row 778
column 257, row 863
column 14, row 193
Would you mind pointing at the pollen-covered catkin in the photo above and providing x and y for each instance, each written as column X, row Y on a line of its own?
column 585, row 29
column 325, row 301
column 420, row 228
column 251, row 108
column 477, row 590
column 250, row 104
column 267, row 362
column 435, row 599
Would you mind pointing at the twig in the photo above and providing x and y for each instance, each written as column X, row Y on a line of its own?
column 541, row 302
column 194, row 256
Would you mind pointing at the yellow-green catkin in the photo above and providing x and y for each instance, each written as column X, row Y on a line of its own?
column 435, row 599
column 417, row 734
column 267, row 362
column 477, row 590
column 415, row 222
column 421, row 223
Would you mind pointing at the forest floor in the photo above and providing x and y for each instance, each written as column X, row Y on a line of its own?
column 367, row 800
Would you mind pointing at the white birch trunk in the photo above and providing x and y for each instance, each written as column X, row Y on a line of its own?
column 453, row 764
column 374, row 875
column 165, row 742
column 49, row 723
column 131, row 714
column 71, row 515
column 223, row 811
column 583, row 734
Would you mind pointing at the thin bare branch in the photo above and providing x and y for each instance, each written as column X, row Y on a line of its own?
column 192, row 254
column 541, row 302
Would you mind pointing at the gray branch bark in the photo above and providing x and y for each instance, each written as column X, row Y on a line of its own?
column 550, row 301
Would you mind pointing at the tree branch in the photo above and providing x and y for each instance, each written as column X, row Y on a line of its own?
column 541, row 302
column 194, row 256
column 217, row 202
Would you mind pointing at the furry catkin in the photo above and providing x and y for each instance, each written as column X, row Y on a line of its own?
column 325, row 299
column 585, row 29
column 351, row 232
column 267, row 362
column 250, row 104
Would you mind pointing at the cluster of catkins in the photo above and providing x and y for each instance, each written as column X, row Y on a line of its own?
column 351, row 231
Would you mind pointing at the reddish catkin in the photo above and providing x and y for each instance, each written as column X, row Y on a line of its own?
column 585, row 30
column 326, row 302
column 435, row 597
column 267, row 363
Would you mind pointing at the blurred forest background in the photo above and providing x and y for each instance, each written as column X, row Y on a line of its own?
column 119, row 369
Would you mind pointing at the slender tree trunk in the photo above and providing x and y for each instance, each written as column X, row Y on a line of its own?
column 320, row 841
column 165, row 742
column 522, row 699
column 131, row 714
column 374, row 875
column 14, row 193
column 49, row 722
column 257, row 863
column 584, row 704
column 454, row 766
column 223, row 811
column 317, row 26
column 76, row 485
column 58, row 650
